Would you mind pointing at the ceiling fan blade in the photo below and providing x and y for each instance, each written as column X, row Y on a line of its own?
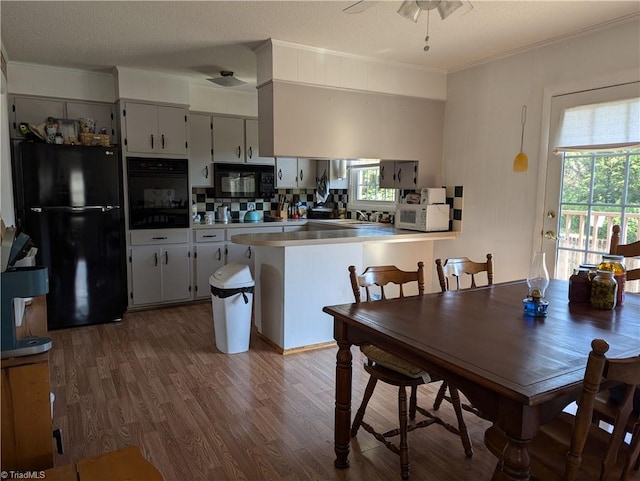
column 410, row 9
column 447, row 7
column 360, row 6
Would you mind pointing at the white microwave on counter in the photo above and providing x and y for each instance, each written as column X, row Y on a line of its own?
column 425, row 218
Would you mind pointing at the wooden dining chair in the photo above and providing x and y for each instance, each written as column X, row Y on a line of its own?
column 453, row 269
column 391, row 369
column 605, row 405
column 626, row 250
column 456, row 267
column 573, row 448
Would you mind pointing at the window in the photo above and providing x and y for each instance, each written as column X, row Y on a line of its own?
column 364, row 187
column 599, row 189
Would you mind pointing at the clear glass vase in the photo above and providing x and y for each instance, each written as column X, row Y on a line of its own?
column 538, row 279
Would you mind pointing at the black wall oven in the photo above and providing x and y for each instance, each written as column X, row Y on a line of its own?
column 158, row 193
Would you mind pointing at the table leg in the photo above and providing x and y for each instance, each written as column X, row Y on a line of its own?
column 515, row 463
column 343, row 405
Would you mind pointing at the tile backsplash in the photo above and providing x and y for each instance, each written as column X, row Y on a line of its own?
column 207, row 203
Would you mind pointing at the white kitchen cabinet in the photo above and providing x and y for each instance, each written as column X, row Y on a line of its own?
column 36, row 110
column 252, row 147
column 103, row 114
column 399, row 174
column 159, row 274
column 209, row 256
column 294, row 173
column 200, row 150
column 245, row 254
column 228, row 139
column 155, row 129
column 159, row 264
column 235, row 140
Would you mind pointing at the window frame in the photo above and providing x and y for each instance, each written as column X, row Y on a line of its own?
column 369, row 205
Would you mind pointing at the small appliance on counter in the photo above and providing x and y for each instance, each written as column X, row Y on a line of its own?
column 425, row 218
column 324, row 211
column 433, row 195
column 19, row 282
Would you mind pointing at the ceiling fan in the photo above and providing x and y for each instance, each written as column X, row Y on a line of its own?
column 227, row 79
column 411, row 9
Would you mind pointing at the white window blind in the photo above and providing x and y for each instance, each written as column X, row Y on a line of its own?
column 611, row 125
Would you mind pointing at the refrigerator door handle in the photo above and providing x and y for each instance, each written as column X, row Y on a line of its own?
column 36, row 209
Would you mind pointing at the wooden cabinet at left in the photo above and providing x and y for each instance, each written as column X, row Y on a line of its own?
column 27, row 432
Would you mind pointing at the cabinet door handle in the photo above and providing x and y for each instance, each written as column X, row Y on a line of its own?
column 280, row 174
column 152, row 141
column 250, row 152
column 166, row 257
column 382, row 172
column 160, row 238
column 219, row 256
column 249, row 252
column 207, row 236
column 206, row 172
column 301, row 175
column 155, row 254
column 162, row 138
column 399, row 174
column 239, row 150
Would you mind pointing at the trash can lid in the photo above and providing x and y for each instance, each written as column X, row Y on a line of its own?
column 232, row 275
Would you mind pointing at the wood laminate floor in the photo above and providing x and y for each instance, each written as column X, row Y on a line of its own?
column 156, row 380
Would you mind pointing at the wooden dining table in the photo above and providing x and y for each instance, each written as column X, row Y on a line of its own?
column 519, row 371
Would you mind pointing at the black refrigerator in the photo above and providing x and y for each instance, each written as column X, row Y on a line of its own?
column 69, row 201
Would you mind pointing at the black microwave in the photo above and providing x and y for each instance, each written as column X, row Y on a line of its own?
column 243, row 181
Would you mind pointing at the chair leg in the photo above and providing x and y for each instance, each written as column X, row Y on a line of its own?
column 404, row 445
column 462, row 427
column 440, row 396
column 371, row 385
column 413, row 402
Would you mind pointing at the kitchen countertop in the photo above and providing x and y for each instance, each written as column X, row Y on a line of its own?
column 361, row 233
column 240, row 223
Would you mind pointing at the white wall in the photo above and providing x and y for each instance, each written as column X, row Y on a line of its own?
column 6, row 188
column 279, row 60
column 482, row 136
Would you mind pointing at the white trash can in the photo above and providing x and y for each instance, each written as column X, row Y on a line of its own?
column 232, row 298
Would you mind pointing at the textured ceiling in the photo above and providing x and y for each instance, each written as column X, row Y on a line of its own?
column 201, row 38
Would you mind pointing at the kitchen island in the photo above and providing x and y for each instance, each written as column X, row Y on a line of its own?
column 298, row 273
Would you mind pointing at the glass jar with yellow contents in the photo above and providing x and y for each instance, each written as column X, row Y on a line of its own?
column 616, row 265
column 604, row 290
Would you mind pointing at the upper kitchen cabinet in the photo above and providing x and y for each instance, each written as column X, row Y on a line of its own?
column 35, row 110
column 252, row 147
column 155, row 129
column 235, row 140
column 294, row 173
column 103, row 114
column 200, row 150
column 399, row 174
column 228, row 139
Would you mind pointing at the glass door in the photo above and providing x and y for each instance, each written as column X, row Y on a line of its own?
column 589, row 190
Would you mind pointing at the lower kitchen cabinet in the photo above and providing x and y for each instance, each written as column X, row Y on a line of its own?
column 208, row 258
column 246, row 254
column 160, row 274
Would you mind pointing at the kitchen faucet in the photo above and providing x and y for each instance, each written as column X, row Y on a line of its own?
column 362, row 215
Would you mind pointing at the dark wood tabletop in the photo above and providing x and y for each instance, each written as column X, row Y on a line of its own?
column 519, row 371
